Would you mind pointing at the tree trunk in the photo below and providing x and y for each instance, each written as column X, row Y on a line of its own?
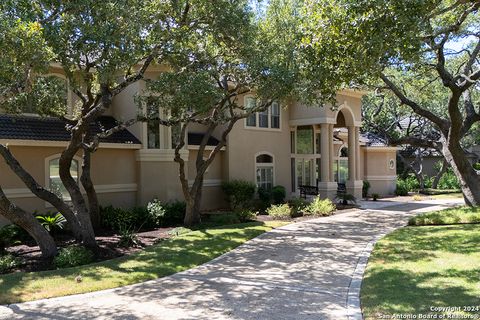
column 79, row 204
column 440, row 174
column 93, row 205
column 192, row 213
column 30, row 224
column 467, row 176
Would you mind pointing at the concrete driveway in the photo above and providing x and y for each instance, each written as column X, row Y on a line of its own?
column 307, row 270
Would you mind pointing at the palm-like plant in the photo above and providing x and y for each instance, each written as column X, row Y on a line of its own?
column 52, row 222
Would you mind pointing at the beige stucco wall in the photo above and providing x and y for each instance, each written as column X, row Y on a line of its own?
column 377, row 171
column 214, row 172
column 327, row 114
column 125, row 108
column 113, row 172
column 159, row 179
column 245, row 143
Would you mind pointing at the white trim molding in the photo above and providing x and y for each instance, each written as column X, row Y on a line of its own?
column 207, row 148
column 116, row 188
column 208, row 182
column 159, row 155
column 63, row 144
column 18, row 193
column 381, row 149
column 311, row 121
column 380, row 178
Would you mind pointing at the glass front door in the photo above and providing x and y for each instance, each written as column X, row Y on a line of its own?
column 304, row 172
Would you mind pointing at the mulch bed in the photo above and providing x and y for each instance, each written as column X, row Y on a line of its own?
column 30, row 253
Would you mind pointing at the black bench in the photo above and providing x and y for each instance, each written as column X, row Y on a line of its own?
column 308, row 191
column 341, row 188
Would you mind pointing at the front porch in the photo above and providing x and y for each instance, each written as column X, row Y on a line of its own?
column 325, row 153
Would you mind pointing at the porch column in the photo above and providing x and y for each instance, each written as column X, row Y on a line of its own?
column 324, row 150
column 352, row 154
column 331, row 152
column 357, row 152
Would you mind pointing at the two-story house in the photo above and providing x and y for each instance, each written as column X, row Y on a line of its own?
column 288, row 145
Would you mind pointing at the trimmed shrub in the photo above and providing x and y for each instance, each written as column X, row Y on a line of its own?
column 8, row 262
column 174, row 213
column 136, row 218
column 320, row 207
column 280, row 211
column 375, row 196
column 448, row 181
column 265, row 197
column 476, row 166
column 402, row 188
column 117, row 218
column 72, row 256
column 298, row 205
column 278, row 194
column 345, row 198
column 8, row 236
column 365, row 188
column 245, row 215
column 239, row 193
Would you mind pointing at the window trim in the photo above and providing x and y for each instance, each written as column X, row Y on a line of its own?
column 165, row 132
column 269, row 118
column 264, row 165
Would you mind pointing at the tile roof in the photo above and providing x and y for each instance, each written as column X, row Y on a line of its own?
column 195, row 139
column 25, row 127
column 372, row 140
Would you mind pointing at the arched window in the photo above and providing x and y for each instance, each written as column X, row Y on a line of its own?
column 55, row 183
column 264, row 171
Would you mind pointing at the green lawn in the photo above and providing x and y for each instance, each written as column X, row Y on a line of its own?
column 415, row 268
column 457, row 195
column 458, row 215
column 168, row 257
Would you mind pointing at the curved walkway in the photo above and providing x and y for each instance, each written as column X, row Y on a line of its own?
column 307, row 270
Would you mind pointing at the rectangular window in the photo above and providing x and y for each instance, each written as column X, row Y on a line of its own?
column 292, row 173
column 307, row 173
column 263, row 119
column 265, row 178
column 275, row 114
column 251, row 103
column 292, row 142
column 319, row 168
column 153, row 127
column 318, row 142
column 305, row 140
column 269, row 118
column 299, row 172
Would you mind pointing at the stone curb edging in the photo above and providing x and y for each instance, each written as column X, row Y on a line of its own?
column 354, row 311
